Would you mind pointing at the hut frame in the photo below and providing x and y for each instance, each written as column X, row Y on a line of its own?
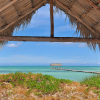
column 52, row 38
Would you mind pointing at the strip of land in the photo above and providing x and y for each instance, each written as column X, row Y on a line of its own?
column 22, row 86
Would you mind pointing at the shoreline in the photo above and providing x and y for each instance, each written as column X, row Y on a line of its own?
column 44, row 88
column 75, row 76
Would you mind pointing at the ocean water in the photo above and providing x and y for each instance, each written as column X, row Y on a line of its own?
column 75, row 76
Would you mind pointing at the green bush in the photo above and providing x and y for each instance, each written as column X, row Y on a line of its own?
column 43, row 83
column 93, row 81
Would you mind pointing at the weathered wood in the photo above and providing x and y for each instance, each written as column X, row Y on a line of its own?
column 51, row 18
column 31, row 3
column 49, row 39
column 72, row 3
column 86, row 13
column 89, row 10
column 75, row 16
column 76, row 70
column 93, row 5
column 98, row 1
column 14, row 5
column 24, row 15
column 5, row 7
column 2, row 20
column 55, row 64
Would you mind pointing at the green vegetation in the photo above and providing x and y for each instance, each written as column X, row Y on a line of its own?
column 93, row 81
column 44, row 84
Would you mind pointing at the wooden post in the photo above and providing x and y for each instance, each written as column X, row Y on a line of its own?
column 51, row 18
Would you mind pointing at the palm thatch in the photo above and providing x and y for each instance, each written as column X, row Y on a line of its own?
column 82, row 14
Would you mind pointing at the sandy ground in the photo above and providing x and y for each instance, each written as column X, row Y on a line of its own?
column 73, row 91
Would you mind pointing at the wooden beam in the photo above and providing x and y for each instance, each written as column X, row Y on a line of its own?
column 72, row 3
column 89, row 9
column 51, row 18
column 9, row 4
column 98, row 1
column 86, row 12
column 77, row 17
column 96, row 25
column 14, row 5
column 23, row 15
column 2, row 20
column 31, row 3
column 49, row 39
column 93, row 5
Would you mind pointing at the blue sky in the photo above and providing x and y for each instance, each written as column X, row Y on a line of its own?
column 44, row 53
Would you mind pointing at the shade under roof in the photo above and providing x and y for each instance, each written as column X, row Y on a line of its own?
column 85, row 14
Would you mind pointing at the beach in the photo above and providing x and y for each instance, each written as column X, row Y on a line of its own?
column 46, row 70
column 30, row 86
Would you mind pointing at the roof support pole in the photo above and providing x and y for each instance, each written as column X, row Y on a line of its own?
column 51, row 18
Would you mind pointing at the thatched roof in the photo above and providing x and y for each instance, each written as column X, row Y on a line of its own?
column 85, row 14
column 55, row 64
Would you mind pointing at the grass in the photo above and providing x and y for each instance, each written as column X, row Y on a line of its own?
column 93, row 81
column 38, row 84
column 44, row 84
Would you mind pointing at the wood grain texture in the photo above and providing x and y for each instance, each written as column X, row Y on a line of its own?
column 51, row 18
column 49, row 39
column 75, row 16
column 9, row 4
column 93, row 5
column 23, row 15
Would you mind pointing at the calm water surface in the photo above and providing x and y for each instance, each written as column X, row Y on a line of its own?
column 75, row 76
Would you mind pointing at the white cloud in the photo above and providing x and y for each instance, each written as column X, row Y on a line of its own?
column 64, row 28
column 80, row 45
column 34, row 59
column 37, row 23
column 28, row 59
column 98, row 62
column 14, row 45
column 68, row 43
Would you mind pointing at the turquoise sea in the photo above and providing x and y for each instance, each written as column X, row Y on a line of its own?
column 75, row 76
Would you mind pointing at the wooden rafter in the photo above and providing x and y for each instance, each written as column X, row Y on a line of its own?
column 9, row 4
column 98, row 1
column 23, row 15
column 94, row 5
column 14, row 5
column 86, row 12
column 49, row 39
column 75, row 16
column 31, row 3
column 2, row 20
column 72, row 3
column 96, row 25
column 51, row 18
column 89, row 11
